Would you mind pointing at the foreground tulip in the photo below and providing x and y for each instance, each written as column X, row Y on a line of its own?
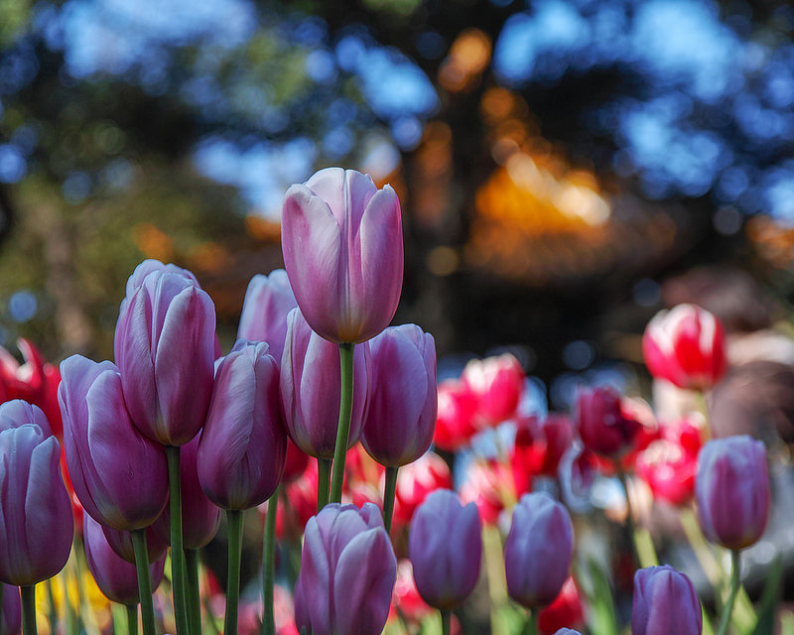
column 343, row 250
column 538, row 550
column 347, row 574
column 11, row 621
column 665, row 602
column 268, row 301
column 685, row 346
column 442, row 530
column 603, row 426
column 497, row 384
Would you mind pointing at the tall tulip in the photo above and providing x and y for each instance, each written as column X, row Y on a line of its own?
column 665, row 602
column 268, row 301
column 347, row 574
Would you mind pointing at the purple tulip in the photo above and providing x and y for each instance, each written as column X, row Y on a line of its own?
column 243, row 446
column 665, row 602
column 567, row 631
column 343, row 250
column 201, row 518
column 165, row 350
column 403, row 401
column 119, row 475
column 11, row 623
column 347, row 572
column 115, row 577
column 538, row 550
column 602, row 426
column 445, row 548
column 36, row 524
column 310, row 380
column 732, row 490
column 121, row 542
column 16, row 413
column 268, row 301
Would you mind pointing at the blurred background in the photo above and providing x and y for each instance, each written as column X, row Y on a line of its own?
column 566, row 167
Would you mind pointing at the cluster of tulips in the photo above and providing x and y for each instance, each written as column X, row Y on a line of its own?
column 159, row 444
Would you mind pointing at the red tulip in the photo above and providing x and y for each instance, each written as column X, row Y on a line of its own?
column 416, row 481
column 455, row 421
column 603, row 425
column 565, row 612
column 497, row 384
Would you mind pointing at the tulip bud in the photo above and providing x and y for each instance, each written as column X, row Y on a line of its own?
column 165, row 351
column 17, row 413
column 347, row 572
column 268, row 301
column 538, row 550
column 665, row 602
column 685, row 346
column 603, row 427
column 343, row 250
column 36, row 524
column 119, row 475
column 401, row 416
column 11, row 622
column 498, row 384
column 115, row 577
column 310, row 380
column 732, row 490
column 445, row 548
column 243, row 446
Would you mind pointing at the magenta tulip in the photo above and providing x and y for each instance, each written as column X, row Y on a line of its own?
column 119, row 475
column 347, row 573
column 11, row 622
column 538, row 550
column 268, row 301
column 115, row 577
column 665, row 602
column 602, row 425
column 732, row 490
column 343, row 250
column 445, row 548
column 165, row 351
column 403, row 400
column 243, row 447
column 310, row 379
column 36, row 524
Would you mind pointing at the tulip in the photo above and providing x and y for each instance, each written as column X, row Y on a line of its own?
column 115, row 576
column 577, row 472
column 36, row 525
column 558, row 432
column 665, row 602
column 732, row 490
column 406, row 596
column 416, row 481
column 268, row 301
column 119, row 475
column 457, row 409
column 498, row 385
column 445, row 548
column 343, row 251
column 347, row 574
column 17, row 413
column 527, row 455
column 121, row 542
column 603, row 426
column 11, row 622
column 565, row 611
column 296, row 463
column 310, row 376
column 685, row 346
column 567, row 631
column 165, row 351
column 538, row 550
column 489, row 485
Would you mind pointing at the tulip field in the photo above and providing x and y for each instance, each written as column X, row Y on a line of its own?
column 317, row 478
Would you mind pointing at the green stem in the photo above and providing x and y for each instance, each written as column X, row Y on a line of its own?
column 641, row 541
column 269, row 565
column 132, row 619
column 531, row 627
column 28, row 594
column 388, row 496
column 144, row 583
column 234, row 518
column 736, row 578
column 345, row 413
column 51, row 599
column 446, row 619
column 192, row 587
column 177, row 551
column 323, row 482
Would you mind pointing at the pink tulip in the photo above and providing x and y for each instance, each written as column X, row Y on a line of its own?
column 603, row 426
column 268, row 301
column 665, row 601
column 456, row 420
column 16, row 413
column 343, row 250
column 498, row 384
column 310, row 380
column 685, row 346
column 119, row 475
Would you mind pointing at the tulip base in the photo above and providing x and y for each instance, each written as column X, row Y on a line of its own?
column 144, row 583
column 269, row 564
column 234, row 518
column 28, row 595
column 192, row 588
column 345, row 414
column 173, row 453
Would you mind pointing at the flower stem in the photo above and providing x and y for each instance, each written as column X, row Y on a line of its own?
column 323, row 482
column 345, row 413
column 28, row 594
column 132, row 619
column 736, row 578
column 531, row 627
column 192, row 587
column 388, row 496
column 234, row 518
column 446, row 619
column 177, row 552
column 144, row 583
column 50, row 600
column 641, row 541
column 269, row 565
